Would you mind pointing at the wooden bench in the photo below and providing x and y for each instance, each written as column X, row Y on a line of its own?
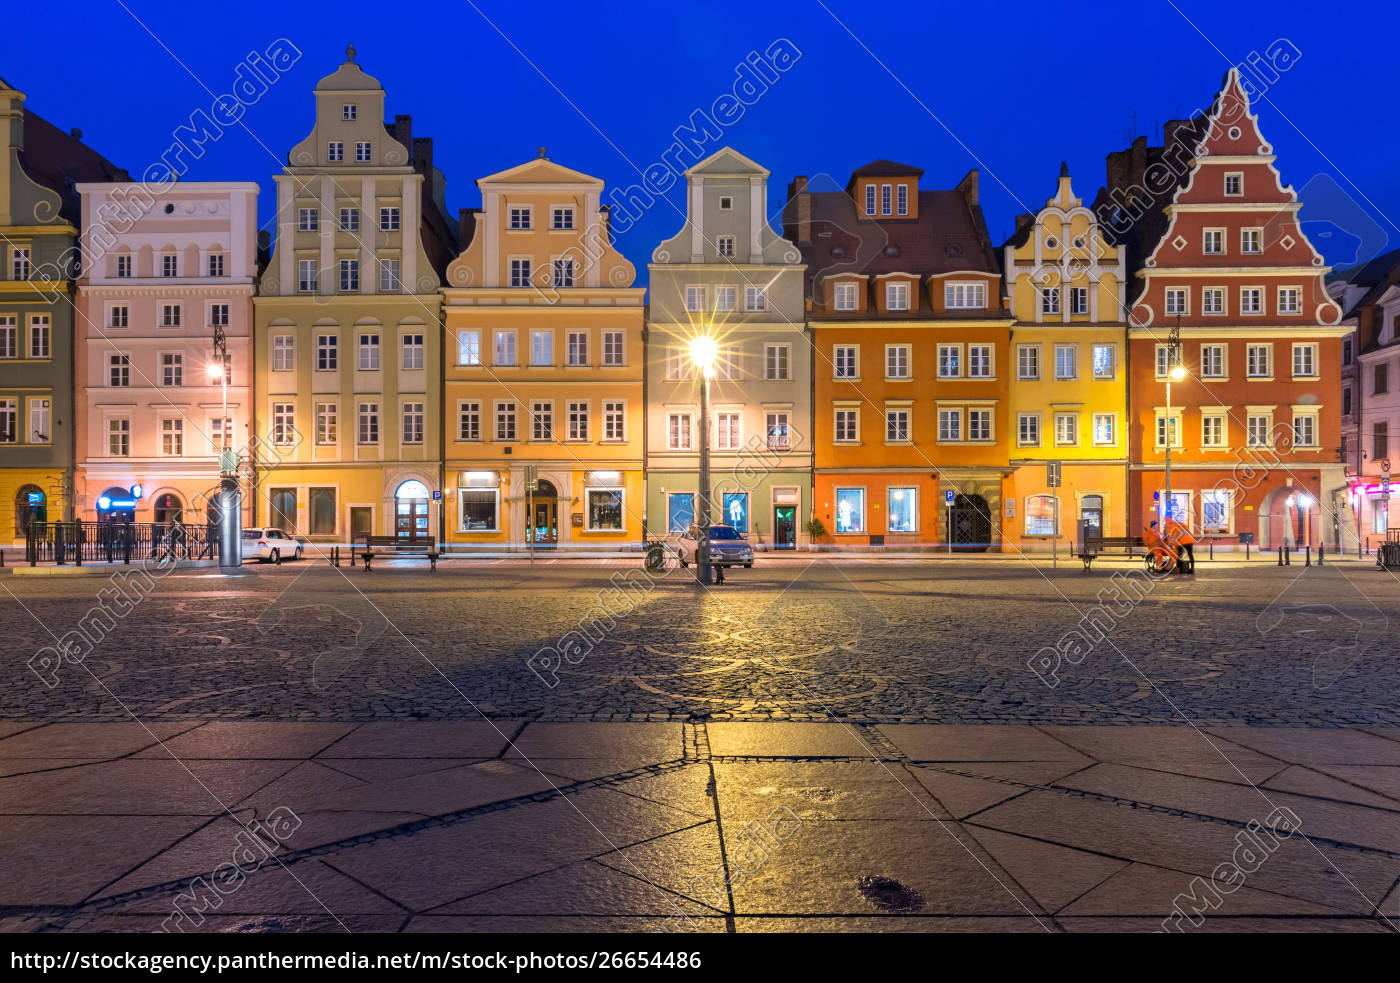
column 1096, row 545
column 398, row 546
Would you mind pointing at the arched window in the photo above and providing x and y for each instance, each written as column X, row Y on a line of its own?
column 168, row 508
column 31, row 505
column 413, row 489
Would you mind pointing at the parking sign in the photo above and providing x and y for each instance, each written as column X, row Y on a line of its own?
column 948, row 496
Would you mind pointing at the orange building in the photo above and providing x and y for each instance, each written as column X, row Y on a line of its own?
column 910, row 336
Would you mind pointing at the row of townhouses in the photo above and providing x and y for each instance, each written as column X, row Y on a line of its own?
column 887, row 375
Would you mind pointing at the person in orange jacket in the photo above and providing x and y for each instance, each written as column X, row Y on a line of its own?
column 1159, row 548
column 1178, row 533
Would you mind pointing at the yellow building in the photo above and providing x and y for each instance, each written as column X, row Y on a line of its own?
column 1069, row 381
column 544, row 369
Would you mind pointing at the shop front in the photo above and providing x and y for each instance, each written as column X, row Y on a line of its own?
column 580, row 508
column 1091, row 499
column 771, row 512
column 1267, row 508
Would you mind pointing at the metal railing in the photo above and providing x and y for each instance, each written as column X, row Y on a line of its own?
column 118, row 542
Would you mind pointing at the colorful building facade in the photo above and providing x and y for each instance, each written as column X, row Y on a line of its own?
column 348, row 337
column 163, row 274
column 545, row 370
column 727, row 275
column 911, row 373
column 1068, row 375
column 1255, row 424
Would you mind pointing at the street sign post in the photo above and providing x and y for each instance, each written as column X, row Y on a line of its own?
column 532, row 484
column 1052, row 480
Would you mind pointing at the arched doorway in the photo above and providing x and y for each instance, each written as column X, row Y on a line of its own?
column 543, row 525
column 31, row 505
column 970, row 524
column 411, row 510
column 116, row 505
column 169, row 508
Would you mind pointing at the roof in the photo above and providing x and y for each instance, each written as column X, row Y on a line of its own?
column 1370, row 273
column 882, row 168
column 60, row 161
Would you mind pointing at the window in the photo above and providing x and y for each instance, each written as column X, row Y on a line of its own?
column 469, row 348
column 1346, row 351
column 216, row 264
column 578, row 348
column 1176, row 300
column 1213, row 429
column 885, row 199
column 844, row 294
column 412, row 352
column 1304, row 360
column 979, row 424
column 1028, row 362
column 349, row 220
column 369, row 423
column 389, row 281
column 327, row 417
column 1066, row 429
column 306, row 276
column 1049, row 300
column 1290, row 300
column 505, row 348
column 901, row 199
column 520, row 218
column 520, row 273
column 1067, row 362
column 578, row 420
column 678, row 431
column 563, row 273
column 1252, row 241
column 614, row 420
column 1079, row 300
column 1346, row 401
column 847, row 426
column 283, row 423
column 1251, row 300
column 1215, row 511
column 1258, row 426
column 724, row 245
column 542, row 348
column 348, row 111
column 1028, row 429
column 308, row 219
column 369, row 353
column 1213, row 241
column 123, row 267
column 1378, row 379
column 775, row 362
column 725, row 299
column 218, row 428
column 283, row 353
column 9, row 421
column 119, row 370
column 170, row 315
column 362, row 153
column 1234, row 184
column 1212, row 361
column 726, row 203
column 779, row 433
column 1380, row 522
column 327, row 353
column 542, row 420
column 413, row 423
column 562, row 218
column 322, row 502
column 172, row 369
column 9, row 336
column 169, row 265
column 389, row 219
column 850, row 510
column 20, row 265
column 950, row 424
column 1213, row 300
column 39, row 336
column 39, row 431
column 469, row 420
column 896, row 361
column 949, row 357
column 695, row 298
column 612, row 348
column 172, row 436
column 896, row 426
column 1164, row 425
column 728, row 433
column 965, row 295
column 755, row 299
column 1105, row 361
column 1258, row 362
column 605, row 509
column 505, row 421
column 118, row 433
column 480, row 506
column 902, row 515
column 1305, row 430
column 870, row 199
column 979, row 361
column 349, row 275
column 1105, row 429
column 1380, row 441
column 335, row 151
column 677, row 365
column 218, row 315
column 897, row 296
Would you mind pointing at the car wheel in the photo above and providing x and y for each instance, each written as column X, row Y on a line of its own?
column 749, row 565
column 276, row 557
column 298, row 554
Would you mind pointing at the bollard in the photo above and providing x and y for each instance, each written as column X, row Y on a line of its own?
column 1280, row 556
column 1307, row 555
column 1319, row 554
column 1287, row 556
column 1212, row 549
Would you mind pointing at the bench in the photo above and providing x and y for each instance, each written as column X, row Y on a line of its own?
column 398, row 546
column 1096, row 545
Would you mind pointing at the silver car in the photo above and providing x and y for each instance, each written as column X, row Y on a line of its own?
column 728, row 547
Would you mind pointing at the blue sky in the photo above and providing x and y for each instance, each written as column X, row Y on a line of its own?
column 943, row 88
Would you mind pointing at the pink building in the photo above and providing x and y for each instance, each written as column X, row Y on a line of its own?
column 165, row 271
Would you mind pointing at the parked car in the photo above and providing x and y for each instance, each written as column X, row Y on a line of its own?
column 728, row 546
column 270, row 544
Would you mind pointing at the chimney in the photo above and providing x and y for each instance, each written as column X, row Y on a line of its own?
column 801, row 199
column 75, row 133
column 403, row 130
column 967, row 187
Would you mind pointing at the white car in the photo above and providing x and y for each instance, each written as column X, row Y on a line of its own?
column 270, row 544
column 728, row 546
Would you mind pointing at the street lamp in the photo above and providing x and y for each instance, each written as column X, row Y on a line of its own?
column 230, row 508
column 1175, row 373
column 703, row 351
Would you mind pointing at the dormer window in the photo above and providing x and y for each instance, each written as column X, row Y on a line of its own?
column 892, row 250
column 896, row 296
column 870, row 199
column 348, row 111
column 726, row 203
column 965, row 295
column 901, row 201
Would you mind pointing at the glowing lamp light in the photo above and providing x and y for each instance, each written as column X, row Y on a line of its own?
column 104, row 503
column 136, row 491
column 703, row 352
column 216, row 372
column 1178, row 372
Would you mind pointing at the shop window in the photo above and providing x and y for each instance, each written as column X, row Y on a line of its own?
column 850, row 510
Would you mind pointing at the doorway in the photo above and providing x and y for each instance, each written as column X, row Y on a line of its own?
column 543, row 524
column 970, row 524
column 361, row 522
column 116, row 505
column 785, row 527
column 282, row 513
column 411, row 511
column 31, row 505
column 168, row 508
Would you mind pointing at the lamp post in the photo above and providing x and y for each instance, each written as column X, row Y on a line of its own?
column 702, row 354
column 230, row 505
column 1175, row 372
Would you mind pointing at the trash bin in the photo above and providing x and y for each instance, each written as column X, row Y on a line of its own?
column 656, row 556
column 1388, row 558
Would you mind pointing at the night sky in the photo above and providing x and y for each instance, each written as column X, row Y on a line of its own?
column 1011, row 88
